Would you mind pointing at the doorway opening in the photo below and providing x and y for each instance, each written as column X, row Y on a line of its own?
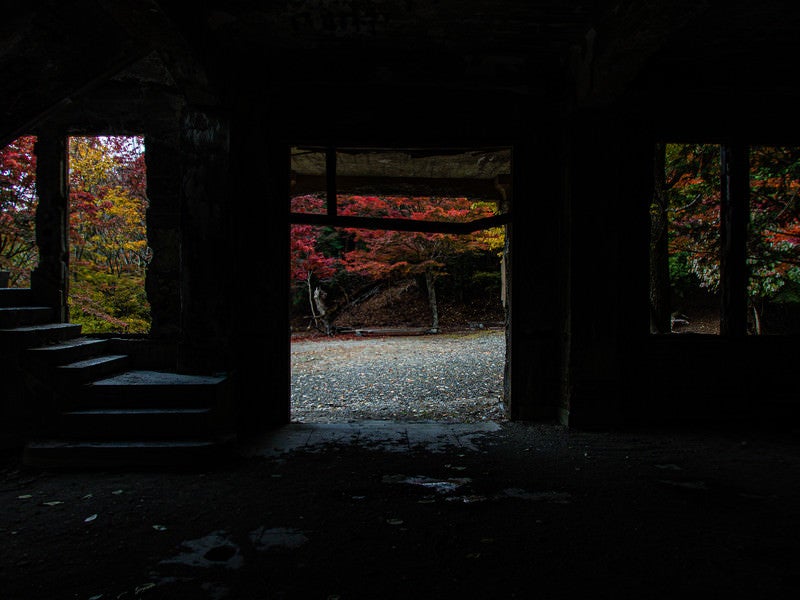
column 397, row 303
column 108, row 234
column 19, row 253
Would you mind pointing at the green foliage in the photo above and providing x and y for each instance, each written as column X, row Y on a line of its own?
column 680, row 272
column 485, row 283
column 790, row 290
column 774, row 240
column 108, row 303
column 694, row 198
column 472, row 275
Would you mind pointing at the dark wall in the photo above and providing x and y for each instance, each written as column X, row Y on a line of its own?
column 578, row 338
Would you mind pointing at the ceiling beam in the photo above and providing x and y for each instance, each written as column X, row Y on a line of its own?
column 476, row 189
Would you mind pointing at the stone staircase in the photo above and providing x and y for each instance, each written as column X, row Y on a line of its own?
column 92, row 406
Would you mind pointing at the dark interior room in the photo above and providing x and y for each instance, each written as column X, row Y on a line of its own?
column 626, row 148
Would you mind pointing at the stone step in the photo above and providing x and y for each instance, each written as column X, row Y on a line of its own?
column 149, row 389
column 70, row 351
column 10, row 297
column 144, row 424
column 91, row 369
column 125, row 453
column 20, row 316
column 18, row 338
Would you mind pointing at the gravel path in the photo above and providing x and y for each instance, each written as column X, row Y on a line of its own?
column 448, row 377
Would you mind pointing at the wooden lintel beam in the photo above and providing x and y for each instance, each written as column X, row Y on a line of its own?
column 324, row 220
column 478, row 189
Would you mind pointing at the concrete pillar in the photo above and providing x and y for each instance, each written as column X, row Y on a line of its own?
column 610, row 182
column 162, row 154
column 261, row 338
column 534, row 338
column 50, row 278
column 206, row 254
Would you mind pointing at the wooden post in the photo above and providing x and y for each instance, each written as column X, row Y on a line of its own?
column 49, row 280
column 734, row 220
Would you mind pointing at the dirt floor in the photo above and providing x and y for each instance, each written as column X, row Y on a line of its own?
column 521, row 512
column 444, row 377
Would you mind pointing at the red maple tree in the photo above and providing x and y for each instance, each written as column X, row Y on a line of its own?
column 18, row 201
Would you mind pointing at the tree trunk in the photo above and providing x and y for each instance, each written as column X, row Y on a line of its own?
column 311, row 301
column 319, row 300
column 430, row 282
column 660, row 313
column 756, row 320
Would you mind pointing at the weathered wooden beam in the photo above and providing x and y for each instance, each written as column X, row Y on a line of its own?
column 477, row 189
column 734, row 220
column 324, row 220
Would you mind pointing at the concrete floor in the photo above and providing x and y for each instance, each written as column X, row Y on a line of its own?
column 418, row 510
column 373, row 435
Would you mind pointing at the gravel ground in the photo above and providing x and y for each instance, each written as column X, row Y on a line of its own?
column 448, row 377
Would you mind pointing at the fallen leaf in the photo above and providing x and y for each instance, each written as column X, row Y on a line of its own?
column 118, row 492
column 90, row 518
column 466, row 499
column 143, row 588
column 159, row 528
column 52, row 503
column 394, row 521
column 25, row 496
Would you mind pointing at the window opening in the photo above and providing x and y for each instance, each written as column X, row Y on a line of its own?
column 686, row 220
column 685, row 239
column 108, row 235
column 774, row 240
column 365, row 299
column 18, row 201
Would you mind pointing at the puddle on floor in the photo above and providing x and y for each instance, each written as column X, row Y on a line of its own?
column 277, row 537
column 213, row 550
column 441, row 486
column 552, row 497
